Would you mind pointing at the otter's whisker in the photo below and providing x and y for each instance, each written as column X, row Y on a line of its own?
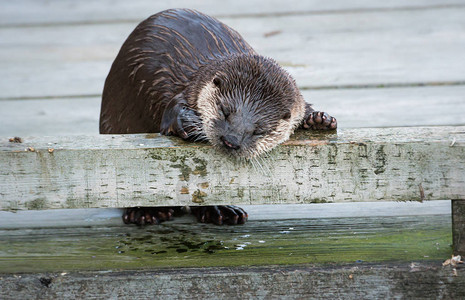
column 261, row 167
column 251, row 162
column 265, row 165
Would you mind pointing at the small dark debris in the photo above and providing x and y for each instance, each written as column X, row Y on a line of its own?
column 272, row 33
column 422, row 193
column 46, row 281
column 357, row 143
column 16, row 139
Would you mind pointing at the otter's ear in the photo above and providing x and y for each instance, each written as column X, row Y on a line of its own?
column 217, row 82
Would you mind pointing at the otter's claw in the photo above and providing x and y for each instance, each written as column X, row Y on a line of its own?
column 184, row 123
column 219, row 215
column 180, row 120
column 148, row 215
column 319, row 120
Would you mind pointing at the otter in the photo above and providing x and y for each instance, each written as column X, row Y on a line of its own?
column 183, row 73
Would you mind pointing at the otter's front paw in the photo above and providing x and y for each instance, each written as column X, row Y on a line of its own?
column 147, row 215
column 182, row 121
column 318, row 120
column 219, row 215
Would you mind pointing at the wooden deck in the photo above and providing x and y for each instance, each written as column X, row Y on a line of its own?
column 372, row 64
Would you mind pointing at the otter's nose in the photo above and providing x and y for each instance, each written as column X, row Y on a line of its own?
column 230, row 142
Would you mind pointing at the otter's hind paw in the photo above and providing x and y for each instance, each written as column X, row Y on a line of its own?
column 318, row 120
column 148, row 215
column 219, row 215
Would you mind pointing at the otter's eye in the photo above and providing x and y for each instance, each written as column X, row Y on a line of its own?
column 217, row 81
column 259, row 131
column 225, row 110
column 287, row 115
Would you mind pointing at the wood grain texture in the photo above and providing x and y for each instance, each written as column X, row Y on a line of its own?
column 458, row 226
column 49, row 12
column 91, row 217
column 387, row 281
column 354, row 108
column 184, row 242
column 150, row 170
column 329, row 50
column 48, row 117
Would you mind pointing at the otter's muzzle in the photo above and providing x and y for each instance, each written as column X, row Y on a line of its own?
column 230, row 142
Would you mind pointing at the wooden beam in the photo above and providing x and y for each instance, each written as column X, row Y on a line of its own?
column 85, row 217
column 458, row 226
column 184, row 242
column 355, row 281
column 399, row 164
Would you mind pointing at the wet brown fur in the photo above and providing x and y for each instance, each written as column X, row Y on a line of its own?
column 172, row 60
column 159, row 59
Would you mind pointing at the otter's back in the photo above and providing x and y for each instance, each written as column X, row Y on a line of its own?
column 157, row 62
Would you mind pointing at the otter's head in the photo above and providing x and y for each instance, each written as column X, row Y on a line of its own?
column 248, row 105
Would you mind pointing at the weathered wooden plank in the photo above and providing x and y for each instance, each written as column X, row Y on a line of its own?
column 424, row 163
column 392, row 107
column 356, row 281
column 396, row 47
column 458, row 226
column 186, row 243
column 48, row 117
column 46, row 12
column 85, row 217
column 354, row 108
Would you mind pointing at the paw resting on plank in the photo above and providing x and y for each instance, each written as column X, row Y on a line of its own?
column 318, row 120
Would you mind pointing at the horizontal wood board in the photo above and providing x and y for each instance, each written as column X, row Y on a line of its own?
column 372, row 281
column 186, row 243
column 50, row 12
column 353, row 108
column 85, row 217
column 399, row 164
